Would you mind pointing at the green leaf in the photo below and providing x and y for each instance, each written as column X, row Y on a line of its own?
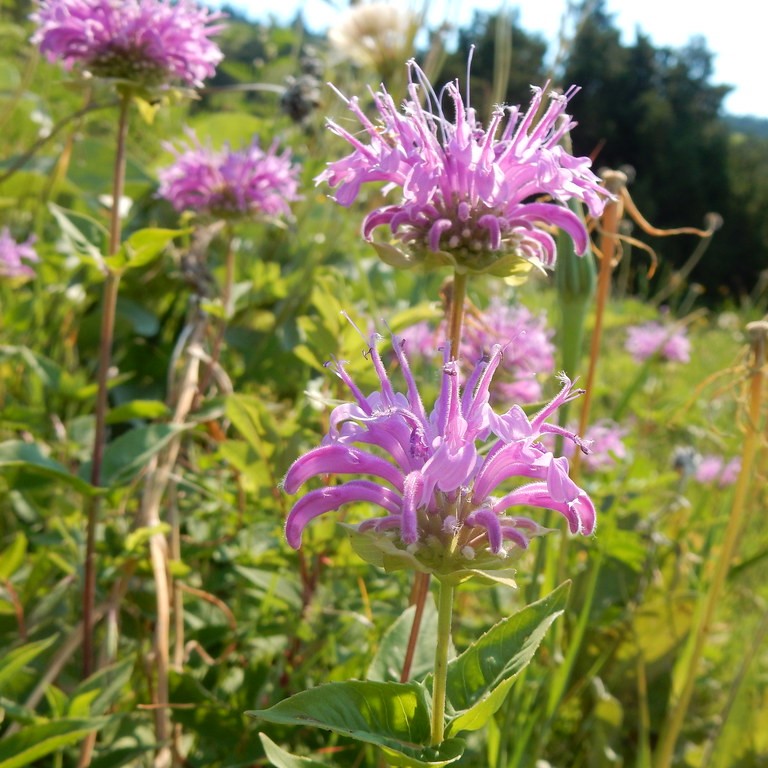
column 12, row 556
column 36, row 741
column 393, row 716
column 138, row 409
column 82, row 235
column 282, row 759
column 245, row 414
column 13, row 661
column 480, row 678
column 126, row 456
column 143, row 322
column 388, row 661
column 106, row 685
column 143, row 247
column 27, row 456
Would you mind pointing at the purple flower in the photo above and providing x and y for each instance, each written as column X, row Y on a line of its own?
column 228, row 182
column 150, row 42
column 444, row 501
column 605, row 439
column 669, row 342
column 714, row 469
column 14, row 256
column 528, row 348
column 470, row 197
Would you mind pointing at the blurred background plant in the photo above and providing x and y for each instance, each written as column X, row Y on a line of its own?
column 258, row 622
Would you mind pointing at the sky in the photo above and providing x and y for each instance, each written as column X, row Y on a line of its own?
column 734, row 31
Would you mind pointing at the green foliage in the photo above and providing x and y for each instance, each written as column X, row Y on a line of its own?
column 393, row 716
column 257, row 626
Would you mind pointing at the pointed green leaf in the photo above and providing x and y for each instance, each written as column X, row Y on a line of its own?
column 143, row 247
column 282, row 759
column 107, row 685
column 244, row 413
column 12, row 556
column 35, row 741
column 138, row 409
column 388, row 661
column 393, row 716
column 480, row 678
column 13, row 661
column 126, row 456
column 28, row 456
column 82, row 236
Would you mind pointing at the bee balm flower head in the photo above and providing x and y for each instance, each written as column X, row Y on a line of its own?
column 147, row 42
column 230, row 183
column 444, row 481
column 475, row 198
column 15, row 257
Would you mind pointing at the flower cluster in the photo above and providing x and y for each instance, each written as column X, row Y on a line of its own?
column 229, row 183
column 654, row 338
column 148, row 42
column 528, row 350
column 712, row 469
column 374, row 34
column 15, row 256
column 444, row 509
column 471, row 197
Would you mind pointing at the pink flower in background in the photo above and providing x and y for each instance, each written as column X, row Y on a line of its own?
column 525, row 338
column 605, row 439
column 15, row 257
column 149, row 42
column 438, row 491
column 669, row 342
column 227, row 182
column 714, row 469
column 468, row 195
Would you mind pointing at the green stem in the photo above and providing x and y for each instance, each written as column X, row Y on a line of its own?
column 421, row 582
column 108, row 311
column 440, row 675
column 674, row 723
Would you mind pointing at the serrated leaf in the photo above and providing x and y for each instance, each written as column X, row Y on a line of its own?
column 15, row 660
column 282, row 759
column 393, row 716
column 126, row 456
column 16, row 454
column 480, row 678
column 36, row 741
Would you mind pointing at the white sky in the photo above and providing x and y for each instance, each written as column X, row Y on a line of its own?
column 736, row 31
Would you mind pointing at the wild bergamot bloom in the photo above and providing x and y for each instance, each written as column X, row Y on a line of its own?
column 445, row 481
column 148, row 42
column 478, row 199
column 529, row 352
column 15, row 257
column 668, row 342
column 230, row 183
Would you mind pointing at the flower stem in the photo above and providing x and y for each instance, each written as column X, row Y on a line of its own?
column 419, row 594
column 440, row 674
column 615, row 181
column 458, row 293
column 108, row 310
column 665, row 751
